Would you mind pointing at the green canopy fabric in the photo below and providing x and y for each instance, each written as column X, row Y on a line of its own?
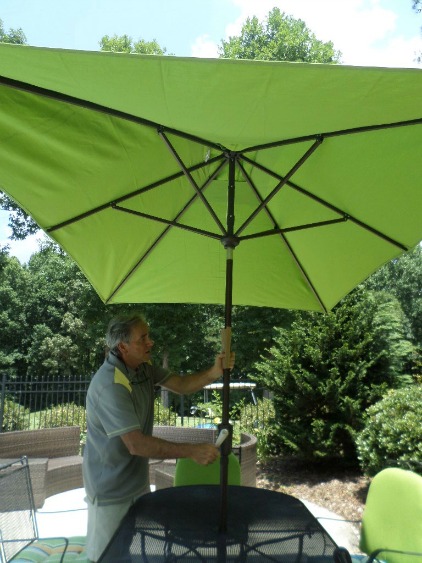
column 208, row 181
column 112, row 154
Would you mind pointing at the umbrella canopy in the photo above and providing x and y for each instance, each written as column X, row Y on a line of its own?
column 146, row 169
column 154, row 172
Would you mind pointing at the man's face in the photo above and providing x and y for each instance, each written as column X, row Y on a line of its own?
column 138, row 349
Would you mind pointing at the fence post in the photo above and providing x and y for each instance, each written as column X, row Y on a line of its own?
column 2, row 399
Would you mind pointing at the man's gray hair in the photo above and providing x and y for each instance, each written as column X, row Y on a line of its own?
column 120, row 329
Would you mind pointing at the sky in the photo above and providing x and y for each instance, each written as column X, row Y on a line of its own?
column 367, row 32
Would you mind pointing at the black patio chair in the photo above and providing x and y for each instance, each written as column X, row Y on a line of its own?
column 19, row 539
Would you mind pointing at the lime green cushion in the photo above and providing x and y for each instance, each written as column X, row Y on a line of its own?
column 188, row 472
column 51, row 550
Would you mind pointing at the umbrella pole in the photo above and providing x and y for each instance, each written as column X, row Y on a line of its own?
column 230, row 242
column 225, row 424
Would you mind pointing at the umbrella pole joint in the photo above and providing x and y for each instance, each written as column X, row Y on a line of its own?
column 230, row 241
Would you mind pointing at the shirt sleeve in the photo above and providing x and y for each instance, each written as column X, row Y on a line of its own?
column 159, row 374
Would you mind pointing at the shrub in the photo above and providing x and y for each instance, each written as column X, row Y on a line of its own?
column 326, row 370
column 392, row 435
column 15, row 417
column 163, row 416
column 67, row 414
column 258, row 420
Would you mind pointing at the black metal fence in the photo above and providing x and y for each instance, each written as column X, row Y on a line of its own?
column 49, row 402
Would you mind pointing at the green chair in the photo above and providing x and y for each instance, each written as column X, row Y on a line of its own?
column 188, row 472
column 392, row 519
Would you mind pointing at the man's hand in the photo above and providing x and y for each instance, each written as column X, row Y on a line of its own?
column 204, row 454
column 219, row 363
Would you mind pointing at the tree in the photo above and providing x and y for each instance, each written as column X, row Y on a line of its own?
column 278, row 38
column 125, row 44
column 403, row 278
column 14, row 289
column 253, row 333
column 15, row 36
column 328, row 368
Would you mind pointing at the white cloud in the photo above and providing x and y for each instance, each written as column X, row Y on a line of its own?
column 204, row 47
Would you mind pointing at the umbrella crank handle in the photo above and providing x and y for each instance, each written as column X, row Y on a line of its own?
column 221, row 437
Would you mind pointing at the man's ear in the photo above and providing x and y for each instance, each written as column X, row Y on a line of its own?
column 122, row 347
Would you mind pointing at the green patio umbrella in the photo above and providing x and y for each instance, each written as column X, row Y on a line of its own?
column 214, row 181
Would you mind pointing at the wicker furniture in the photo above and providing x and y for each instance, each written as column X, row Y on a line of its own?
column 53, row 454
column 19, row 539
column 162, row 471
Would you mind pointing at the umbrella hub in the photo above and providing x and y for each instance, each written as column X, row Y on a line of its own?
column 230, row 241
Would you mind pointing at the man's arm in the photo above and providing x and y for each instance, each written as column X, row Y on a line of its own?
column 187, row 384
column 148, row 446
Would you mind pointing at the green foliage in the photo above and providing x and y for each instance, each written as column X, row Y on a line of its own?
column 67, row 414
column 213, row 408
column 258, row 420
column 125, row 44
column 179, row 334
column 163, row 416
column 327, row 369
column 392, row 435
column 278, row 38
column 253, row 333
column 403, row 278
column 14, row 287
column 15, row 417
column 15, row 36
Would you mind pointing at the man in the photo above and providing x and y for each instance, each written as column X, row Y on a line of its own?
column 120, row 412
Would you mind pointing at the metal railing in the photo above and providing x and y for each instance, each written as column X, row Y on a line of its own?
column 48, row 402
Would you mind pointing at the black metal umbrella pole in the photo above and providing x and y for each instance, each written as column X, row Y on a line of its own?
column 229, row 242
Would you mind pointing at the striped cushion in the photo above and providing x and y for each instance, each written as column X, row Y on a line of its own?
column 50, row 550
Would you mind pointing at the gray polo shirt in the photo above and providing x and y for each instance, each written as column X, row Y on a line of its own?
column 119, row 400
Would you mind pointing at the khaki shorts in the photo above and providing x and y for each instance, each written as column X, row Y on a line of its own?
column 103, row 521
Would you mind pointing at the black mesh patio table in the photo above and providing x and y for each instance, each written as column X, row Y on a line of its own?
column 182, row 524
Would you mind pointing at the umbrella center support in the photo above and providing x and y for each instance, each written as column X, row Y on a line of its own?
column 230, row 241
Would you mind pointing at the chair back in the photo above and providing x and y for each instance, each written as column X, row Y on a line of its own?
column 188, row 472
column 18, row 527
column 392, row 518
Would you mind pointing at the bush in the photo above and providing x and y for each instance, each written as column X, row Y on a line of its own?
column 67, row 414
column 163, row 416
column 326, row 370
column 392, row 435
column 15, row 417
column 258, row 420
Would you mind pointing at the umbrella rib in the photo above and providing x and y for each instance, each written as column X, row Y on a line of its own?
column 328, row 205
column 168, row 222
column 80, row 102
column 282, row 182
column 191, row 180
column 281, row 232
column 339, row 133
column 132, row 194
